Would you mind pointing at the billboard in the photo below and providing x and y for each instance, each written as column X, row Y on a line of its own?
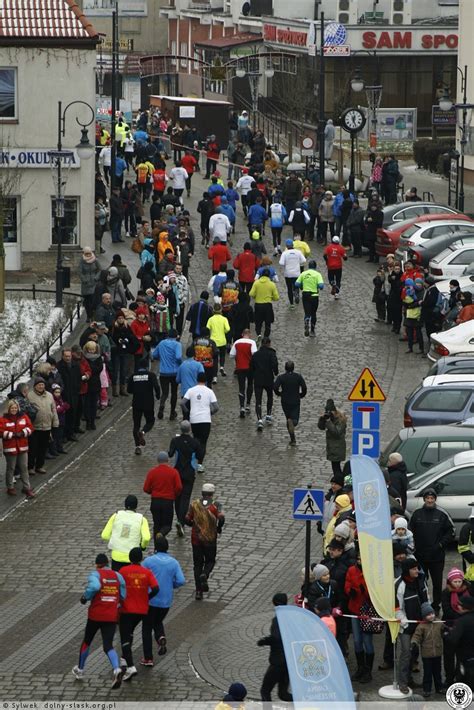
column 96, row 8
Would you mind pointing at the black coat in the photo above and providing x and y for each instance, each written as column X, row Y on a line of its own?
column 241, row 315
column 264, row 366
column 330, row 590
column 185, row 446
column 399, row 481
column 143, row 385
column 461, row 638
column 277, row 654
column 71, row 377
column 96, row 364
column 376, row 221
column 432, row 530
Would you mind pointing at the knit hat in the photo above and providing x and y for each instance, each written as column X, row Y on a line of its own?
column 280, row 599
column 38, row 381
column 343, row 501
column 426, row 609
column 135, row 555
column 131, row 502
column 55, row 386
column 400, row 523
column 455, row 573
column 162, row 457
column 342, row 530
column 409, row 564
column 208, row 488
column 141, row 311
column 394, row 458
column 398, row 549
column 319, row 571
column 429, row 492
column 185, row 426
column 113, row 271
column 467, row 602
column 337, row 479
column 237, row 692
column 101, row 559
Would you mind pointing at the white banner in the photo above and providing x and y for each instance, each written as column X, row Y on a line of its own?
column 33, row 158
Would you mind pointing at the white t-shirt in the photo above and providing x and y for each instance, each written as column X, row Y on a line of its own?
column 245, row 184
column 292, row 260
column 200, row 398
column 219, row 226
column 179, row 177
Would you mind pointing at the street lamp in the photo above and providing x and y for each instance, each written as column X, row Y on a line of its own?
column 374, row 98
column 254, row 73
column 60, row 161
column 446, row 104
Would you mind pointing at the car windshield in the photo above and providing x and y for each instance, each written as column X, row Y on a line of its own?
column 421, row 479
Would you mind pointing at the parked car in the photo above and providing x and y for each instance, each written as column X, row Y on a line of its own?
column 411, row 210
column 452, row 262
column 423, row 253
column 426, row 446
column 447, row 378
column 459, row 364
column 421, row 233
column 452, row 481
column 455, row 341
column 388, row 238
column 439, row 404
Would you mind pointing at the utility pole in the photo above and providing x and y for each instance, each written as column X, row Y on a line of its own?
column 114, row 93
column 322, row 121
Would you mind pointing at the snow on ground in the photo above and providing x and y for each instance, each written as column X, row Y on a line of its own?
column 25, row 328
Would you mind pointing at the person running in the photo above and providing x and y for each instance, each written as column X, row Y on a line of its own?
column 200, row 403
column 311, row 283
column 206, row 519
column 186, row 450
column 205, row 352
column 264, row 367
column 141, row 586
column 334, row 255
column 143, row 384
column 170, row 354
column 198, row 315
column 242, row 350
column 277, row 671
column 264, row 292
column 105, row 590
column 188, row 371
column 292, row 261
column 219, row 327
column 163, row 483
column 125, row 530
column 246, row 264
column 169, row 575
column 291, row 387
column 278, row 217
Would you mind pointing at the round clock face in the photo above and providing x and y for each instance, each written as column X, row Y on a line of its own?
column 353, row 119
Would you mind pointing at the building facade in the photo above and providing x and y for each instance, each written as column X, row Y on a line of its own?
column 44, row 59
column 466, row 58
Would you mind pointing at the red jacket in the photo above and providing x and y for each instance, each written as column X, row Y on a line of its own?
column 220, row 254
column 163, row 481
column 212, row 151
column 354, row 580
column 247, row 264
column 139, row 329
column 334, row 255
column 189, row 163
column 411, row 274
column 105, row 604
column 85, row 369
column 15, row 430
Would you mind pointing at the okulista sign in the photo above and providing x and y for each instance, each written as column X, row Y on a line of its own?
column 33, row 158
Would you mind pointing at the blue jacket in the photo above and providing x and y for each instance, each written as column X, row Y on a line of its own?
column 232, row 197
column 276, row 220
column 120, row 166
column 169, row 575
column 257, row 214
column 338, row 200
column 148, row 254
column 170, row 353
column 187, row 374
column 228, row 211
column 93, row 585
column 215, row 189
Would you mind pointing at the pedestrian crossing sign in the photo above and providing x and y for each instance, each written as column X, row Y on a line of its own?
column 308, row 504
column 366, row 389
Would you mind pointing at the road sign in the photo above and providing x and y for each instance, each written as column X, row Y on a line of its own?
column 366, row 442
column 365, row 416
column 307, row 146
column 366, row 389
column 308, row 504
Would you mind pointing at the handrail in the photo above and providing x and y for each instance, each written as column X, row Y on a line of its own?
column 75, row 316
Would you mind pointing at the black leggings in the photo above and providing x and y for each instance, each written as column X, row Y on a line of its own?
column 222, row 351
column 290, row 287
column 137, row 414
column 245, row 380
column 310, row 305
column 276, row 234
column 127, row 625
column 263, row 314
column 152, row 624
column 259, row 389
column 204, row 558
column 411, row 330
column 107, row 630
column 201, row 431
column 167, row 381
column 162, row 514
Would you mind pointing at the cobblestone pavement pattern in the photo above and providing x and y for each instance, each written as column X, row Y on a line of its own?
column 49, row 545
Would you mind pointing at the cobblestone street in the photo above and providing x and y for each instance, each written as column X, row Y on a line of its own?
column 49, row 545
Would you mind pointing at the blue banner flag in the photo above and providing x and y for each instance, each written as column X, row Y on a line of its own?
column 316, row 666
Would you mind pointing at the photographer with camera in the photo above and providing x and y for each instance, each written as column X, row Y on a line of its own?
column 334, row 423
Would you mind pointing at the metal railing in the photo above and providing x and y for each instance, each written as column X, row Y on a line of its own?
column 275, row 132
column 73, row 318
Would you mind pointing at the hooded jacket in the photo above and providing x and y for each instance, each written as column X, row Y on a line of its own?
column 246, row 264
column 148, row 253
column 399, row 480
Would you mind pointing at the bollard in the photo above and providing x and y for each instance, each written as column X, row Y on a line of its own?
column 34, row 292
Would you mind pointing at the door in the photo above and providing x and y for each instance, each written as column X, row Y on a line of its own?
column 11, row 237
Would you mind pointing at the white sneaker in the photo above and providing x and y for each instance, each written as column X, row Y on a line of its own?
column 269, row 419
column 129, row 673
column 78, row 673
column 200, row 468
column 260, row 425
column 127, row 234
column 117, row 681
column 337, row 296
column 214, row 380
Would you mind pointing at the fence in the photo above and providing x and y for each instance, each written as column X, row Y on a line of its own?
column 58, row 341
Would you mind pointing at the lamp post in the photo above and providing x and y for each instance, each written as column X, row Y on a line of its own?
column 374, row 97
column 60, row 163
column 254, row 74
column 446, row 104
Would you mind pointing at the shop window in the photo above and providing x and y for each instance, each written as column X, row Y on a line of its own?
column 10, row 221
column 70, row 221
column 8, row 94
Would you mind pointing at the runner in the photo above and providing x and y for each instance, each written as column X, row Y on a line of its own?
column 187, row 450
column 105, row 590
column 242, row 350
column 143, row 384
column 311, row 283
column 170, row 354
column 292, row 261
column 334, row 255
column 264, row 292
column 164, row 485
column 205, row 352
column 200, row 403
column 125, row 530
column 264, row 369
column 291, row 387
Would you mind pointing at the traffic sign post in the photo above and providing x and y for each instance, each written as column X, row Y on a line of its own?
column 366, row 396
column 308, row 505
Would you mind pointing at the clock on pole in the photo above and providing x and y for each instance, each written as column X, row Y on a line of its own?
column 353, row 120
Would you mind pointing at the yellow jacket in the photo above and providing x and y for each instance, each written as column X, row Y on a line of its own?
column 302, row 246
column 144, row 534
column 264, row 290
column 329, row 532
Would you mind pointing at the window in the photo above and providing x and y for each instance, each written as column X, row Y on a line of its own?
column 10, row 221
column 442, row 400
column 196, row 63
column 8, row 107
column 466, row 257
column 437, row 232
column 410, row 213
column 184, row 53
column 70, row 221
column 439, row 450
column 456, row 483
column 174, row 52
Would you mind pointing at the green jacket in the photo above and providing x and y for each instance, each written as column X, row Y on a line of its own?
column 310, row 281
column 335, row 436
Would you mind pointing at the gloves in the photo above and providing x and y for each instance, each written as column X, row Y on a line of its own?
column 336, row 612
column 83, row 600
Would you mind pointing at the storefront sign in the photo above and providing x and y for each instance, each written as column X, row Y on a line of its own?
column 443, row 118
column 281, row 35
column 33, row 158
column 389, row 39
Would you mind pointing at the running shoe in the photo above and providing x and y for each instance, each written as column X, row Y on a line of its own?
column 247, row 409
column 162, row 646
column 141, row 438
column 312, row 334
column 117, row 681
column 259, row 340
column 214, row 380
column 260, row 425
column 198, row 595
column 242, row 413
column 138, row 450
column 129, row 673
column 269, row 419
column 179, row 530
column 148, row 662
column 200, row 468
column 306, row 329
column 78, row 673
column 223, row 372
column 203, row 582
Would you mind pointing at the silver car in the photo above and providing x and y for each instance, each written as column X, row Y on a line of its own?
column 453, row 481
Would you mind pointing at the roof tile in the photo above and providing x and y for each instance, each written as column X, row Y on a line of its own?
column 44, row 19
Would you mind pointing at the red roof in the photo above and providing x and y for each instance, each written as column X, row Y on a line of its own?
column 232, row 41
column 44, row 20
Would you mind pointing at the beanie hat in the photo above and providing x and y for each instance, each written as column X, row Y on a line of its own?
column 319, row 571
column 409, row 564
column 237, row 692
column 208, row 488
column 343, row 501
column 38, row 381
column 429, row 492
column 280, row 599
column 162, row 457
column 113, row 271
column 394, row 458
column 426, row 609
column 336, row 545
column 135, row 555
column 337, row 479
column 131, row 502
column 141, row 311
column 289, row 243
column 455, row 573
column 400, row 523
column 398, row 549
column 343, row 530
column 185, row 426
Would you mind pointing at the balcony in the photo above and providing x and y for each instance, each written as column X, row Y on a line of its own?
column 206, row 5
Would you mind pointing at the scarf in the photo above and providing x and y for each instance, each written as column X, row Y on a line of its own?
column 89, row 258
column 454, row 597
